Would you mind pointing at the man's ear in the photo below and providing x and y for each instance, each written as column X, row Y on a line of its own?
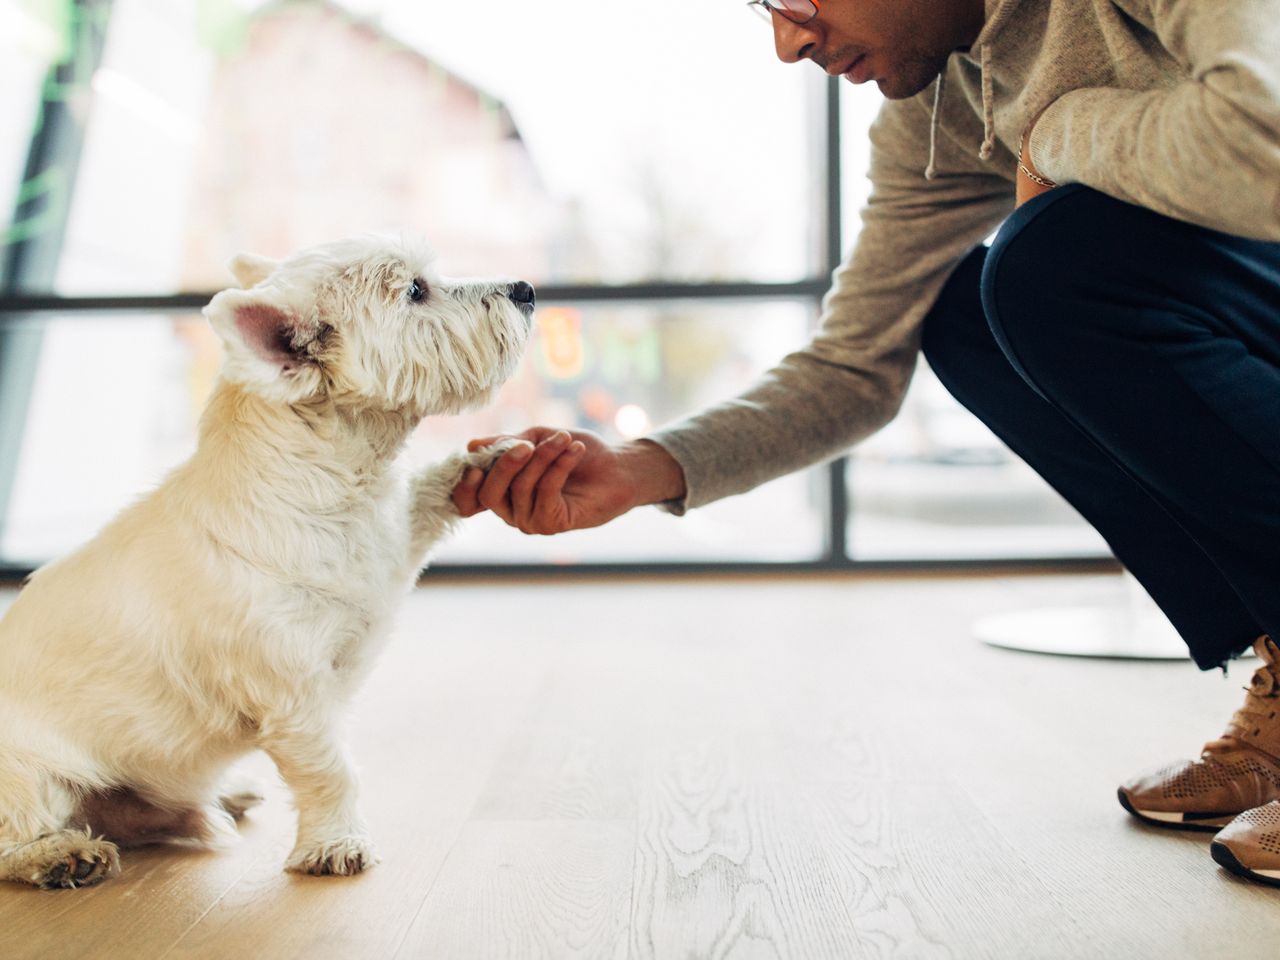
column 249, row 269
column 269, row 343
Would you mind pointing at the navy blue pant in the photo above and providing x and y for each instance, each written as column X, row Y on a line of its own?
column 1134, row 362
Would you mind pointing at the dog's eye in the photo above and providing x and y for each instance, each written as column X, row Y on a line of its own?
column 417, row 291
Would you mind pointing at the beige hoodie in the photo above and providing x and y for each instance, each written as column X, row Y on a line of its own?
column 1170, row 104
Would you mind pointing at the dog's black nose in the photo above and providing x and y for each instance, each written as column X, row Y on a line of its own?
column 521, row 293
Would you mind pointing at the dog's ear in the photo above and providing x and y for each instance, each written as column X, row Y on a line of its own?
column 270, row 344
column 272, row 333
column 249, row 269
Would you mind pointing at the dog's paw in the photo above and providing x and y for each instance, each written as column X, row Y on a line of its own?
column 333, row 858
column 436, row 483
column 72, row 859
column 486, row 457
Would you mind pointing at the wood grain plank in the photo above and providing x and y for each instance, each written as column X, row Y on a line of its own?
column 529, row 889
column 817, row 768
column 573, row 754
column 1025, row 737
column 748, row 844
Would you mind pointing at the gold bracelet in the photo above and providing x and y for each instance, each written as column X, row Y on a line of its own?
column 1022, row 149
column 1035, row 177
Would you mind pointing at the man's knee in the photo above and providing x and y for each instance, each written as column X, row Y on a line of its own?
column 1048, row 260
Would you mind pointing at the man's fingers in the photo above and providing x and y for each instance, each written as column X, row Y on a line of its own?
column 550, row 515
column 522, row 487
column 464, row 494
column 494, row 489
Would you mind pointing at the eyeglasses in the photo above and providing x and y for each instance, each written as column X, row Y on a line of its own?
column 797, row 11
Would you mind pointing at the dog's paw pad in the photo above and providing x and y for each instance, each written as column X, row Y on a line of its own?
column 334, row 858
column 91, row 863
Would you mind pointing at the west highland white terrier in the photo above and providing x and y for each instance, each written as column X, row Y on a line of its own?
column 238, row 606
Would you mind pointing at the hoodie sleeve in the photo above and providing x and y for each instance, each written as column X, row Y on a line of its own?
column 1205, row 150
column 849, row 381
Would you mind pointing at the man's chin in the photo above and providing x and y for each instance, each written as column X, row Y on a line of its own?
column 890, row 90
column 909, row 80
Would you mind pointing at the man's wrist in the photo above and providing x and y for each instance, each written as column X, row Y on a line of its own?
column 657, row 475
column 1026, row 157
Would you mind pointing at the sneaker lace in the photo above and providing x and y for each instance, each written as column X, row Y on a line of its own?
column 1261, row 706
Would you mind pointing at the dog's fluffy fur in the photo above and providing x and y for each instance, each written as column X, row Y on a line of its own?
column 238, row 605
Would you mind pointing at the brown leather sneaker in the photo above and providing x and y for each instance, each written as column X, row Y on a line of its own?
column 1237, row 772
column 1249, row 846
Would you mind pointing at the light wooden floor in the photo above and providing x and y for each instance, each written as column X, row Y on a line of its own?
column 709, row 768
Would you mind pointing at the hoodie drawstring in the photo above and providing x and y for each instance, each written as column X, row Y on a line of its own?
column 931, row 170
column 988, row 105
column 988, row 114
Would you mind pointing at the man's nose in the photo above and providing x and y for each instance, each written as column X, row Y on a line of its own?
column 793, row 41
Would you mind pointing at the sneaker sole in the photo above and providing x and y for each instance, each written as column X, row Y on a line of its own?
column 1222, row 854
column 1201, row 822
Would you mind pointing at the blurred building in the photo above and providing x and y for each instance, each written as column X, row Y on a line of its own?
column 320, row 125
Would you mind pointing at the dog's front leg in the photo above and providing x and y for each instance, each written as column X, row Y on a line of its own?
column 332, row 838
column 431, row 510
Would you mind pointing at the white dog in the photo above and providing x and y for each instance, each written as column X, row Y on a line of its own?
column 237, row 606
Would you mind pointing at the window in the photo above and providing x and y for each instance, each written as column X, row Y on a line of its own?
column 664, row 184
column 620, row 370
column 935, row 483
column 93, row 439
column 28, row 44
column 584, row 158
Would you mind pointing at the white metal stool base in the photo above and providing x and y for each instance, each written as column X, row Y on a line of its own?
column 1132, row 628
column 1084, row 632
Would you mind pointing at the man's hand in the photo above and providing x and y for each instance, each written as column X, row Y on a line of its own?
column 568, row 481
